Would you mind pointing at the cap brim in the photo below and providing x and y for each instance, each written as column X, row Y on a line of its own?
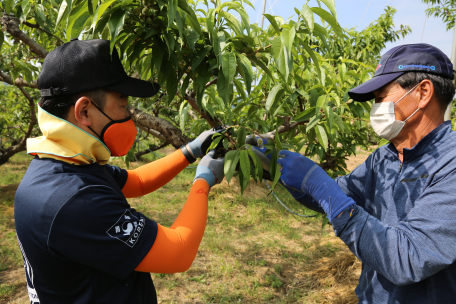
column 135, row 87
column 365, row 91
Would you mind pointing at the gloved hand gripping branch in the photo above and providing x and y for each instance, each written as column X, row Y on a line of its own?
column 210, row 169
column 199, row 146
column 302, row 174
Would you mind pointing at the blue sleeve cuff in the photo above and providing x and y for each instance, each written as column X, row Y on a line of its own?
column 339, row 223
column 206, row 173
column 195, row 147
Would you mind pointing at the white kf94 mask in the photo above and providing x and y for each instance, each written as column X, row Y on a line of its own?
column 384, row 121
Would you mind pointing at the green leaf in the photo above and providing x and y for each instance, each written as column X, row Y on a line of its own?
column 329, row 116
column 234, row 24
column 280, row 54
column 245, row 164
column 115, row 24
column 244, row 181
column 246, row 66
column 313, row 122
column 287, row 38
column 308, row 16
column 273, row 23
column 229, row 70
column 241, row 137
column 314, row 58
column 332, row 6
column 172, row 10
column 199, row 57
column 99, row 12
column 210, row 21
column 183, row 109
column 214, row 143
column 322, row 136
column 259, row 168
column 383, row 142
column 190, row 14
column 75, row 14
column 90, row 7
column 321, row 101
column 169, row 40
column 191, row 36
column 8, row 6
column 324, row 221
column 274, row 95
column 277, row 140
column 339, row 122
column 241, row 11
column 26, row 6
column 263, row 67
column 2, row 38
column 231, row 160
column 171, row 84
column 305, row 115
column 330, row 19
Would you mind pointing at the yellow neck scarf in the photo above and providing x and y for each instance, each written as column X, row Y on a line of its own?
column 64, row 141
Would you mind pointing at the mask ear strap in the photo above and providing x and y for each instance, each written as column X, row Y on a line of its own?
column 96, row 133
column 101, row 111
column 399, row 98
column 412, row 114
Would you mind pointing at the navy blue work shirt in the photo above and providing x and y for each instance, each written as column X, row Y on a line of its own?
column 403, row 227
column 79, row 237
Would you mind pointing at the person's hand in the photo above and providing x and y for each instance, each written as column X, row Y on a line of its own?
column 302, row 174
column 211, row 169
column 199, row 146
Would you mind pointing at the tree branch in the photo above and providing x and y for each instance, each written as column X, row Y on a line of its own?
column 171, row 134
column 19, row 82
column 151, row 132
column 38, row 27
column 11, row 24
column 203, row 114
column 283, row 129
column 4, row 157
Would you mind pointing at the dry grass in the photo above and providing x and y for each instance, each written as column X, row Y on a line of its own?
column 253, row 251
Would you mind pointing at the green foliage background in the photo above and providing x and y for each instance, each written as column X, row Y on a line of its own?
column 218, row 68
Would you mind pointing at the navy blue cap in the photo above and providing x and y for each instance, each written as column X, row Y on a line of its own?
column 418, row 57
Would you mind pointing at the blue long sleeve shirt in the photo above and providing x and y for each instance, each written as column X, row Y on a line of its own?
column 403, row 226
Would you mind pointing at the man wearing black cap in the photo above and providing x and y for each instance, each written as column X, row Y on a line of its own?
column 80, row 240
column 397, row 211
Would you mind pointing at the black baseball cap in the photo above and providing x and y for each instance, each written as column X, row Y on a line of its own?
column 82, row 65
column 401, row 59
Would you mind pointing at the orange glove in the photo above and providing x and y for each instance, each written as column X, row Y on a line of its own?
column 175, row 248
column 154, row 175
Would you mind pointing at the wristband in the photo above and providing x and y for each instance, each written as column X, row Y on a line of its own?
column 187, row 154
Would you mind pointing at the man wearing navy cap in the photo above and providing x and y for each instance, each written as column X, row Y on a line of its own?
column 397, row 211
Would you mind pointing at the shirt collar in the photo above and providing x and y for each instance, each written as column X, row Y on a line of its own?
column 426, row 144
column 66, row 142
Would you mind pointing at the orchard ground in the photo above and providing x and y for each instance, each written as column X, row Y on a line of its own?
column 253, row 250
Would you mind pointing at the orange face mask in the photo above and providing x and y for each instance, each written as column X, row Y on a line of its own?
column 117, row 135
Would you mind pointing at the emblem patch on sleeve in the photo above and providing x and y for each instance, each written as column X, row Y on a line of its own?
column 127, row 229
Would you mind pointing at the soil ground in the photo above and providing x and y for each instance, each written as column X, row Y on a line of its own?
column 253, row 250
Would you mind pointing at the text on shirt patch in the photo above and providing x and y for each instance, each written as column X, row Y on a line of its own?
column 127, row 229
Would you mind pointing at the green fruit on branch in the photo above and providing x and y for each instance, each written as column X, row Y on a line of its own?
column 149, row 20
column 137, row 11
column 260, row 141
column 144, row 11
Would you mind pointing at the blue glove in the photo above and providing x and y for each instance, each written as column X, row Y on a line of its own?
column 300, row 173
column 303, row 198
